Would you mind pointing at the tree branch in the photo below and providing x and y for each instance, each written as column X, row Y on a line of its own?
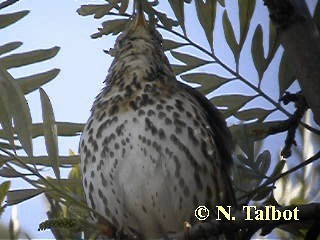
column 300, row 38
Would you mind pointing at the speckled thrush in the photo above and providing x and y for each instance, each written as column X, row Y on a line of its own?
column 153, row 149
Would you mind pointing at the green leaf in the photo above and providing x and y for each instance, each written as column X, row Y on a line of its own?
column 257, row 51
column 189, row 59
column 230, row 36
column 206, row 12
column 5, row 117
column 33, row 82
column 287, row 74
column 209, row 82
column 246, row 9
column 244, row 139
column 19, row 110
column 274, row 42
column 277, row 170
column 169, row 44
column 18, row 196
column 111, row 27
column 64, row 161
column 66, row 183
column 9, row 173
column 232, row 102
column 165, row 20
column 50, row 132
column 178, row 69
column 8, row 19
column 253, row 113
column 263, row 162
column 9, row 47
column 178, row 9
column 4, row 188
column 22, row 59
column 222, row 3
column 65, row 129
column 98, row 10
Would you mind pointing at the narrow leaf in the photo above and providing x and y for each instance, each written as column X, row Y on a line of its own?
column 287, row 73
column 209, row 82
column 253, row 113
column 230, row 36
column 19, row 110
column 18, row 196
column 33, row 82
column 274, row 42
column 67, row 129
column 178, row 69
column 165, row 20
column 4, row 188
column 206, row 12
column 264, row 161
column 9, row 173
column 232, row 102
column 246, row 9
column 9, row 47
column 64, row 161
column 22, row 59
column 111, row 27
column 169, row 44
column 8, row 19
column 189, row 59
column 222, row 3
column 98, row 10
column 178, row 9
column 277, row 170
column 5, row 116
column 50, row 132
column 257, row 51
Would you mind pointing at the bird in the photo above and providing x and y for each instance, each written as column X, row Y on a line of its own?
column 153, row 148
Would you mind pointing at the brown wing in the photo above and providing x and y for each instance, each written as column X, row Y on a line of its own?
column 222, row 137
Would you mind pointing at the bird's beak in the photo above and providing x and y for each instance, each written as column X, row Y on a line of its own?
column 140, row 19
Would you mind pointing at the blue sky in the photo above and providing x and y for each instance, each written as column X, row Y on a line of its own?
column 83, row 69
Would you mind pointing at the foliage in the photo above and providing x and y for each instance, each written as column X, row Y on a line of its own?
column 256, row 172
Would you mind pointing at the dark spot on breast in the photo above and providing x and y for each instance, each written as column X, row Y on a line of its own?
column 159, row 107
column 150, row 112
column 133, row 105
column 161, row 115
column 162, row 134
column 169, row 108
column 141, row 112
column 113, row 109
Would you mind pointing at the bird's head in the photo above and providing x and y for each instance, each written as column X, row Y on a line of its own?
column 139, row 30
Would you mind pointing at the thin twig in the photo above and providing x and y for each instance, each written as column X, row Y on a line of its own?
column 274, row 179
